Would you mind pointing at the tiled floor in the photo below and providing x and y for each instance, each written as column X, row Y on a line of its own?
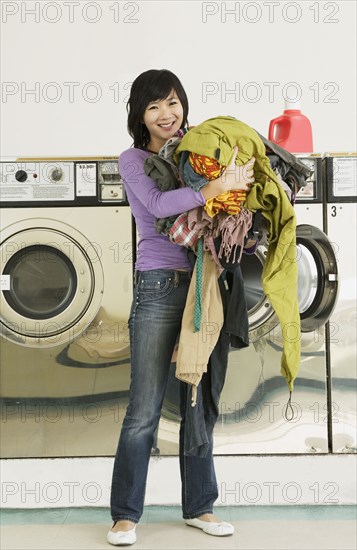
column 257, row 528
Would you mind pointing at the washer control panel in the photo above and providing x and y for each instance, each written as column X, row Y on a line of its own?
column 37, row 181
column 62, row 181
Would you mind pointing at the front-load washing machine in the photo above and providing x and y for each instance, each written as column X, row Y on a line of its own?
column 340, row 173
column 253, row 415
column 253, row 403
column 66, row 290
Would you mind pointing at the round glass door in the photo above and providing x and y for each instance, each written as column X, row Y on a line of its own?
column 317, row 283
column 43, row 282
column 317, row 277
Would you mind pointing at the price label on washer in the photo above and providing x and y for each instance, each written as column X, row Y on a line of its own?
column 5, row 282
column 86, row 179
column 345, row 177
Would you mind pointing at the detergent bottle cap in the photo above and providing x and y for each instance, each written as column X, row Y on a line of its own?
column 295, row 105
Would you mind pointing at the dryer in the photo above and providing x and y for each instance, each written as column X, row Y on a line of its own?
column 66, row 291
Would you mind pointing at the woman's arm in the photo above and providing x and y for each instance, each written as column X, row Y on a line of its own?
column 169, row 203
column 160, row 204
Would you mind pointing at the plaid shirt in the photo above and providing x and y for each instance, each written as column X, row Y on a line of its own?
column 179, row 232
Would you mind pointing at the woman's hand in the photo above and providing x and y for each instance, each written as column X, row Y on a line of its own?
column 237, row 178
column 234, row 178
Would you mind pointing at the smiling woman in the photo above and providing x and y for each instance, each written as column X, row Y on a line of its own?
column 155, row 90
column 157, row 111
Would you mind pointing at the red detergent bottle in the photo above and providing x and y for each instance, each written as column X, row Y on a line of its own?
column 292, row 130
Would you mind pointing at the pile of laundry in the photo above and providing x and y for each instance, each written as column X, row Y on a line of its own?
column 230, row 224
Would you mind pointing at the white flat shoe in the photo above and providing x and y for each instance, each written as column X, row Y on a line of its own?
column 222, row 529
column 122, row 538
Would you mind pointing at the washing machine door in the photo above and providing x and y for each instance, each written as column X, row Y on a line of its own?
column 52, row 282
column 317, row 283
column 317, row 277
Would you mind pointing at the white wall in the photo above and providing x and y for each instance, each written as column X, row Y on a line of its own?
column 80, row 57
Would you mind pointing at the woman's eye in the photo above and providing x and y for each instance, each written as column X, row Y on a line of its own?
column 174, row 102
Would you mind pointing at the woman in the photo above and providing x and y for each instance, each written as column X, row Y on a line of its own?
column 157, row 109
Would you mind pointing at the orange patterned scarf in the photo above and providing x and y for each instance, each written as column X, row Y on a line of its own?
column 230, row 202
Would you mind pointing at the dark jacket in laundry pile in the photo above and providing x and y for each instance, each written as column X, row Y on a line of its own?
column 200, row 420
column 160, row 170
column 294, row 172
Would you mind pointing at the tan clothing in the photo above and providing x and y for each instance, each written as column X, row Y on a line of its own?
column 195, row 348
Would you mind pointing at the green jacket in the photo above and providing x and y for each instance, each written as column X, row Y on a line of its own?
column 216, row 138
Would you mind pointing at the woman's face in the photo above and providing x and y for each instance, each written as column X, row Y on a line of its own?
column 163, row 118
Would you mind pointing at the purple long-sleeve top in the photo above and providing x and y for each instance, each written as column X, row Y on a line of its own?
column 147, row 202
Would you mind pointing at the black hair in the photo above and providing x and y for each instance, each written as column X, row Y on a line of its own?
column 152, row 85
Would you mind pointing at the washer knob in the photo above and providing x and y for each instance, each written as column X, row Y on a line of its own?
column 56, row 174
column 21, row 175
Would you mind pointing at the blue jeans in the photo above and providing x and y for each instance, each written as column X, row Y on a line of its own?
column 154, row 325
